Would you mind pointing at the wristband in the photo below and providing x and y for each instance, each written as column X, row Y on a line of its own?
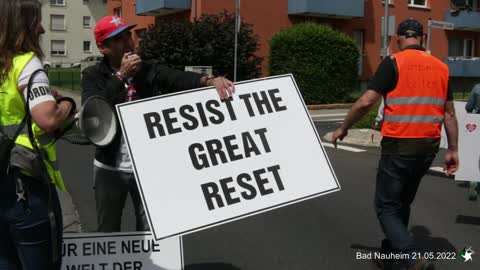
column 205, row 79
column 120, row 74
column 69, row 99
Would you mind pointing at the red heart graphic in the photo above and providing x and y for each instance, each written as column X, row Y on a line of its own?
column 471, row 127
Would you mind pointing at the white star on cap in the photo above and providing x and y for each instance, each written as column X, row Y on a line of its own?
column 117, row 21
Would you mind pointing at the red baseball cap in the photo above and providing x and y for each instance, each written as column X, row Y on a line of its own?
column 110, row 26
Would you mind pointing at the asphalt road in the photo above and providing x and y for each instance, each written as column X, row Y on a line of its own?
column 321, row 233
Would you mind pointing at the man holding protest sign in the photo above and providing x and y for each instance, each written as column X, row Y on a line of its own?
column 121, row 77
column 473, row 106
column 417, row 102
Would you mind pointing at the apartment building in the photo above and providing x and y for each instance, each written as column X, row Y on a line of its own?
column 126, row 10
column 360, row 19
column 69, row 27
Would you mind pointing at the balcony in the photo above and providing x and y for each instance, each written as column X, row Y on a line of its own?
column 161, row 7
column 464, row 67
column 464, row 19
column 333, row 8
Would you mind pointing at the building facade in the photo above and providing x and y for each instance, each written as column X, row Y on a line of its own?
column 360, row 19
column 68, row 28
column 127, row 10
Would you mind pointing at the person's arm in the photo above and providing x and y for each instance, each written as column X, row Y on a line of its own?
column 471, row 102
column 46, row 112
column 50, row 115
column 172, row 80
column 385, row 80
column 451, row 128
column 359, row 109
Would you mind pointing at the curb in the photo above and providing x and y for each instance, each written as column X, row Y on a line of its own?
column 329, row 106
column 359, row 137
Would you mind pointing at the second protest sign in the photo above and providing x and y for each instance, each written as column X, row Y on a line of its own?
column 200, row 161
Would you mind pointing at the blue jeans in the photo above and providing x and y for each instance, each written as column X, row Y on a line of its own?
column 25, row 234
column 398, row 179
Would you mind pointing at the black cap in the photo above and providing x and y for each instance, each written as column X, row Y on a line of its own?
column 410, row 28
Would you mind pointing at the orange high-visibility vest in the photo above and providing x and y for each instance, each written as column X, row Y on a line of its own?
column 415, row 108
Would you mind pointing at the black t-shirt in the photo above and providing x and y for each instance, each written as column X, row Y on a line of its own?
column 384, row 81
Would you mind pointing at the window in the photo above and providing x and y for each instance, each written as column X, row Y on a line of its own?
column 86, row 22
column 57, row 2
column 58, row 47
column 57, row 22
column 87, row 46
column 417, row 3
column 461, row 48
column 118, row 11
column 85, row 2
column 468, row 48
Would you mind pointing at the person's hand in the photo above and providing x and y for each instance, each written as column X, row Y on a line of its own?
column 131, row 64
column 339, row 133
column 224, row 87
column 56, row 95
column 451, row 162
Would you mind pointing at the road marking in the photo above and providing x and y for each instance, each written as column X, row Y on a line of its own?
column 347, row 148
column 328, row 120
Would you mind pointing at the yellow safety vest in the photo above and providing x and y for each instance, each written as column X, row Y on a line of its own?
column 12, row 111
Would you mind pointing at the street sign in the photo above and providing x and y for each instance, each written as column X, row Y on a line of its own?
column 441, row 25
column 120, row 251
column 391, row 25
column 200, row 162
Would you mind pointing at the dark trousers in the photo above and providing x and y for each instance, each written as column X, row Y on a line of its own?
column 25, row 234
column 111, row 190
column 398, row 179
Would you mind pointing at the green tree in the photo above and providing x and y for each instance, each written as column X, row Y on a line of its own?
column 323, row 61
column 208, row 41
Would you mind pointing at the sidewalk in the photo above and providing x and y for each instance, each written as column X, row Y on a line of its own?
column 71, row 218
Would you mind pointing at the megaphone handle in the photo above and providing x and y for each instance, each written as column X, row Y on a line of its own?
column 67, row 128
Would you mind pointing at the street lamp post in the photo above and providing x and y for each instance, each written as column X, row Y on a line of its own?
column 385, row 29
column 237, row 30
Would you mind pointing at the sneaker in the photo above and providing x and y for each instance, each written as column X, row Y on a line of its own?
column 472, row 191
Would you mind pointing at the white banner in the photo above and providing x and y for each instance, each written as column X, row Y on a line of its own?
column 201, row 162
column 121, row 251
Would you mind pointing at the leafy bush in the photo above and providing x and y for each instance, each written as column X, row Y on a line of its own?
column 323, row 61
column 208, row 41
column 368, row 120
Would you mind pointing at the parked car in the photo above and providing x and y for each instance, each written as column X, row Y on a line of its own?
column 89, row 61
column 47, row 65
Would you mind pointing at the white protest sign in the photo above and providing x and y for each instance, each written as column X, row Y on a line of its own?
column 201, row 162
column 121, row 251
column 468, row 146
